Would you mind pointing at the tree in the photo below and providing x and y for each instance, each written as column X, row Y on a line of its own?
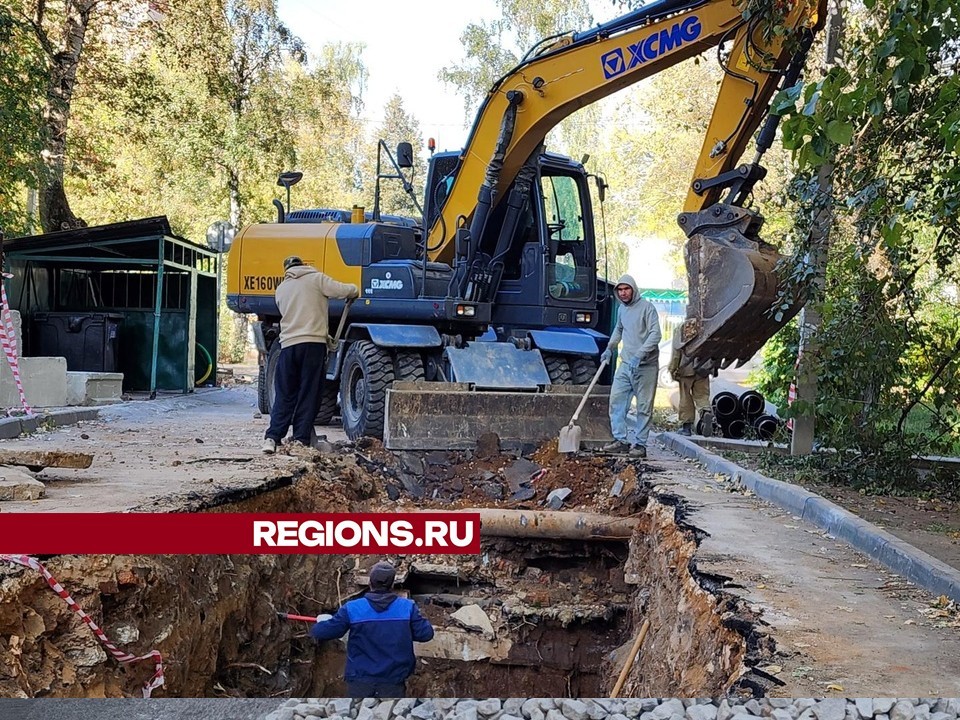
column 63, row 31
column 330, row 138
column 243, row 106
column 21, row 136
column 398, row 126
column 886, row 119
column 492, row 48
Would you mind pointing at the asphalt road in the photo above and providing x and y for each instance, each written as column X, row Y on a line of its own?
column 138, row 709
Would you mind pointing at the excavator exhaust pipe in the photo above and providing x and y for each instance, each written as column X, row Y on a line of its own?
column 733, row 284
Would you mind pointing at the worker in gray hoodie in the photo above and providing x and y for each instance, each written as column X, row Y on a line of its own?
column 638, row 326
column 302, row 301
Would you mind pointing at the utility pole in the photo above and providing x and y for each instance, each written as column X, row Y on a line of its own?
column 804, row 426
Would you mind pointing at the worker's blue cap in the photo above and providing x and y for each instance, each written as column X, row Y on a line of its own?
column 382, row 576
column 292, row 261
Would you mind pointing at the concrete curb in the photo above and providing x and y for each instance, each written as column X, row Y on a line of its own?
column 14, row 427
column 890, row 551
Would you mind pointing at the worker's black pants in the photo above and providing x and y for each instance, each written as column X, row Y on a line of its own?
column 299, row 380
column 358, row 689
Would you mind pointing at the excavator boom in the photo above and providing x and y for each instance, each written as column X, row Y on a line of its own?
column 731, row 274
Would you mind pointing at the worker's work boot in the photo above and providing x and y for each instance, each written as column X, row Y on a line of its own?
column 687, row 429
column 638, row 451
column 617, row 446
column 269, row 446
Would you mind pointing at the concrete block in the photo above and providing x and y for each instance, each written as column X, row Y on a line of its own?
column 17, row 484
column 44, row 382
column 94, row 388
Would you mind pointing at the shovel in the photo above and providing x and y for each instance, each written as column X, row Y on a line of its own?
column 569, row 439
column 302, row 618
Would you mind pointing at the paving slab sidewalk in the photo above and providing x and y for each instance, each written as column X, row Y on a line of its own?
column 890, row 551
column 843, row 624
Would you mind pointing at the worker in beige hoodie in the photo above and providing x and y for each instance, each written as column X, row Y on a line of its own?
column 301, row 367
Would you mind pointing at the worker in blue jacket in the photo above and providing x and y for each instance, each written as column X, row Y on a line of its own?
column 383, row 628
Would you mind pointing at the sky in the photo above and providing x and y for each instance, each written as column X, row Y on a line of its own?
column 407, row 44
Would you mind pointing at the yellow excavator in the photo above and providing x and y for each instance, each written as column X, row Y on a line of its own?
column 496, row 289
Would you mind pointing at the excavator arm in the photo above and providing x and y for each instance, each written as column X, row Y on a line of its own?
column 731, row 271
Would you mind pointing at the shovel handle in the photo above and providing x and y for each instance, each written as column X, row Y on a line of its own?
column 583, row 400
column 304, row 618
column 343, row 321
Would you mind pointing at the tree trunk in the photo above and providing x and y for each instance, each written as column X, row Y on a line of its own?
column 233, row 188
column 804, row 426
column 55, row 213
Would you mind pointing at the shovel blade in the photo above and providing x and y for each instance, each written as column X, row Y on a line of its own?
column 569, row 439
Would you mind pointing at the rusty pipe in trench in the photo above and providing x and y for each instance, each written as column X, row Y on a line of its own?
column 553, row 524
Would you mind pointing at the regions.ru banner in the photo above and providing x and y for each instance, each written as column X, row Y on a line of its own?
column 239, row 533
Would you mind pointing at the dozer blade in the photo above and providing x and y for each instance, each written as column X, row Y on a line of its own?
column 452, row 416
column 733, row 286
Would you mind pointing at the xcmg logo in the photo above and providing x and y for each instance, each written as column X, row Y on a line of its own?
column 653, row 46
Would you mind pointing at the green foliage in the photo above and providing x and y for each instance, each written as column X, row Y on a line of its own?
column 885, row 121
column 21, row 134
column 493, row 48
column 775, row 375
column 891, row 473
column 191, row 115
column 397, row 126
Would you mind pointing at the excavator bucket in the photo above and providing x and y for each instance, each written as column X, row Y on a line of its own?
column 454, row 416
column 733, row 287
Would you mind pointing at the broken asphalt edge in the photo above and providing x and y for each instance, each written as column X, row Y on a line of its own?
column 890, row 551
column 13, row 427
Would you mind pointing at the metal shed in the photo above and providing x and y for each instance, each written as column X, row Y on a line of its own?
column 155, row 291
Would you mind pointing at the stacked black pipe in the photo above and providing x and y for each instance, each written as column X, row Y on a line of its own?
column 734, row 415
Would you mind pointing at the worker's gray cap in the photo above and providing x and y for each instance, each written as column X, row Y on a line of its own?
column 292, row 261
column 382, row 576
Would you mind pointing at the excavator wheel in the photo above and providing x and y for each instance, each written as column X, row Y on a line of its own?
column 583, row 369
column 266, row 380
column 267, row 392
column 328, row 402
column 558, row 369
column 366, row 375
column 263, row 403
column 408, row 366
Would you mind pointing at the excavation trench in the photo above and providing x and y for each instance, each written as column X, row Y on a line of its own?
column 556, row 616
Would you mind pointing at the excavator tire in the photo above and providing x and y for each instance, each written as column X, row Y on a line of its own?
column 558, row 369
column 267, row 393
column 408, row 366
column 266, row 380
column 366, row 375
column 583, row 370
column 328, row 402
column 263, row 403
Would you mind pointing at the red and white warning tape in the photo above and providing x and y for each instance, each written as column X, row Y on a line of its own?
column 8, row 338
column 118, row 654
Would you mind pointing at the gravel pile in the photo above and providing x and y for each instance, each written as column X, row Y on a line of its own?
column 621, row 709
